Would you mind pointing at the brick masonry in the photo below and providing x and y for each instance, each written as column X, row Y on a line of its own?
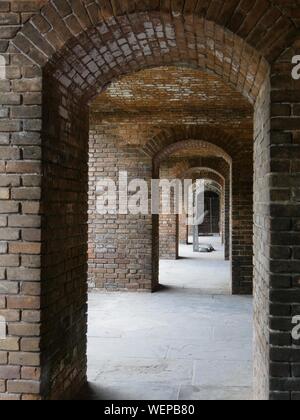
column 120, row 246
column 78, row 48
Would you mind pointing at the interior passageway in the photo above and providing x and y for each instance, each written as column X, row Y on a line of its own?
column 96, row 87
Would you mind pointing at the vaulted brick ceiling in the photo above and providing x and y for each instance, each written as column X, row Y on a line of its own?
column 171, row 89
column 142, row 104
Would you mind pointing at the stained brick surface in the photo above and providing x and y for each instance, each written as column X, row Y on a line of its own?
column 61, row 54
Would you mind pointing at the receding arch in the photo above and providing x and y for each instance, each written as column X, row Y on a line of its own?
column 199, row 170
column 204, row 147
column 167, row 138
column 215, row 172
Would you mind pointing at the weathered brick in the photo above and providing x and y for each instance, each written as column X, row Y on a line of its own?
column 3, row 247
column 26, row 193
column 25, row 330
column 31, row 316
column 34, row 235
column 30, row 373
column 10, row 315
column 23, row 302
column 10, row 372
column 24, row 248
column 9, row 180
column 9, row 261
column 4, row 194
column 10, row 344
column 8, row 287
column 3, row 358
column 9, row 207
column 31, row 288
column 9, row 234
column 24, row 221
column 20, row 386
column 31, row 207
column 26, row 85
column 9, row 153
column 10, row 99
column 3, row 221
column 23, row 167
column 28, row 111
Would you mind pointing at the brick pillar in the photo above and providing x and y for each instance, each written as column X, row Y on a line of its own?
column 120, row 245
column 183, row 230
column 242, row 224
column 261, row 244
column 168, row 237
column 227, row 219
column 65, row 235
column 222, row 216
column 20, row 215
column 283, row 259
column 168, row 223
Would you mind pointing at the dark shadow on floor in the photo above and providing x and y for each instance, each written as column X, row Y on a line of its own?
column 91, row 392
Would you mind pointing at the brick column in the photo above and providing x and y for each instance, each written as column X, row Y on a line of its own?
column 20, row 212
column 242, row 224
column 168, row 223
column 227, row 219
column 284, row 221
column 120, row 245
column 183, row 230
column 168, row 237
column 65, row 235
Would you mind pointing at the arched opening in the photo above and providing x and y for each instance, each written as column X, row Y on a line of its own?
column 123, row 257
column 71, row 53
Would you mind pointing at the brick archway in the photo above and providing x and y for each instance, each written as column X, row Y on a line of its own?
column 205, row 172
column 215, row 177
column 238, row 227
column 220, row 171
column 173, row 142
column 169, row 139
column 85, row 48
column 59, row 41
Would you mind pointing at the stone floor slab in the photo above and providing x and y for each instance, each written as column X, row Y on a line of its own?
column 196, row 393
column 148, row 346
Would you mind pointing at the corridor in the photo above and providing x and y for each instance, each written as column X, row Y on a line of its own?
column 208, row 273
column 177, row 344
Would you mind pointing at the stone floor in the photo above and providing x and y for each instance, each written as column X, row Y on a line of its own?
column 177, row 344
column 215, row 273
